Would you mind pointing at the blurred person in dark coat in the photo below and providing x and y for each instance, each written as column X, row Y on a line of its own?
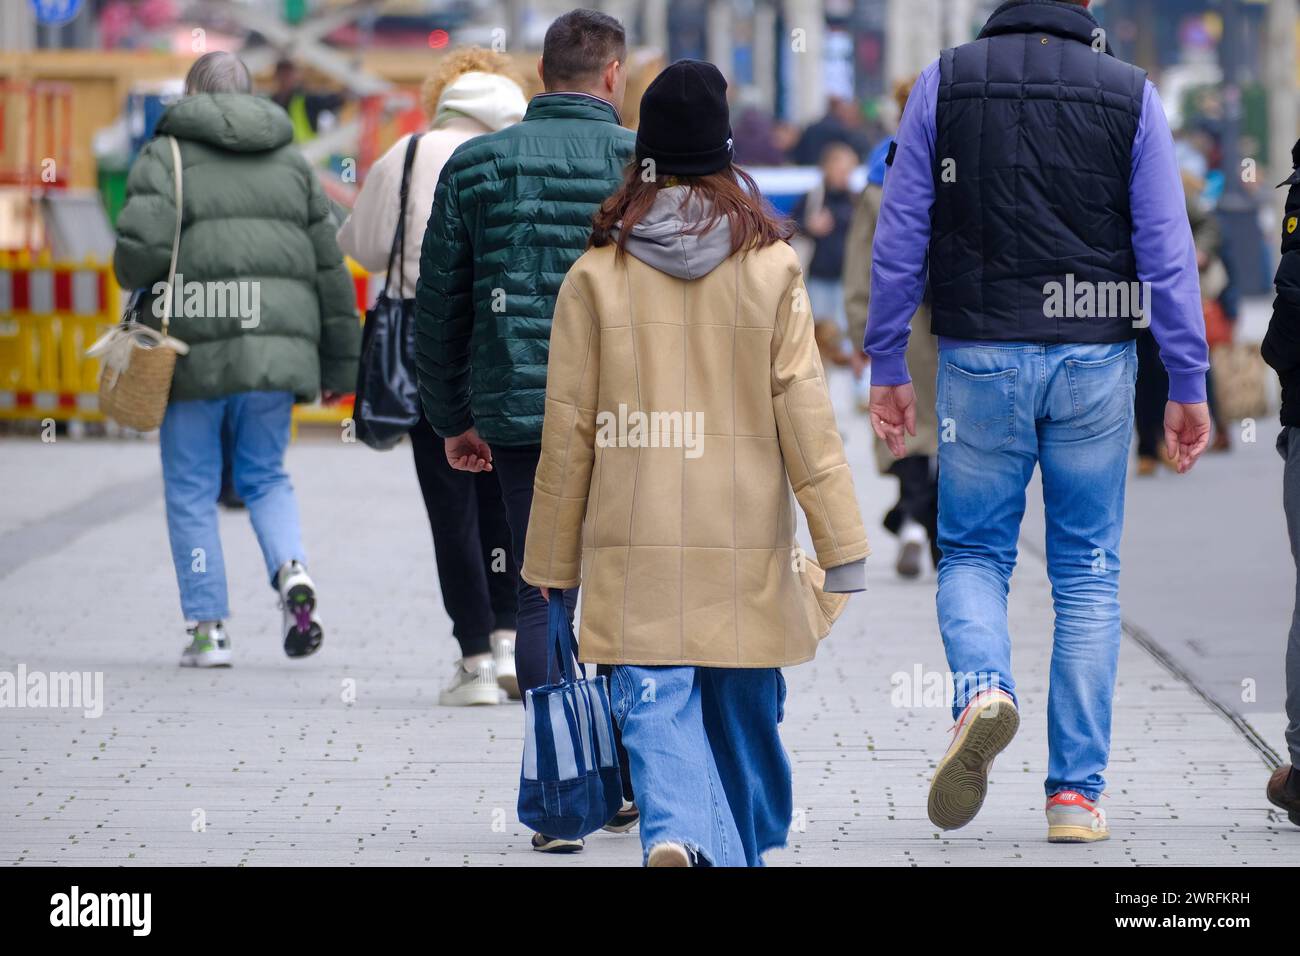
column 1281, row 350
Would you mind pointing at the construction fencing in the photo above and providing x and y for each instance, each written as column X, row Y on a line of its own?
column 51, row 312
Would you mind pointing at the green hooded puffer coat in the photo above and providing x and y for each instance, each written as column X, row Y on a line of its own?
column 267, row 303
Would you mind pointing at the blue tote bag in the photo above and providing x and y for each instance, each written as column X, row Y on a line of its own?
column 570, row 783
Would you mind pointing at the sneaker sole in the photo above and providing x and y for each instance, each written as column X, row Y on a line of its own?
column 1069, row 833
column 668, row 856
column 559, row 846
column 479, row 697
column 305, row 637
column 961, row 780
column 209, row 663
column 622, row 827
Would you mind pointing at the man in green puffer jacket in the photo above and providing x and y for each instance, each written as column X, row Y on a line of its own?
column 268, row 310
column 511, row 214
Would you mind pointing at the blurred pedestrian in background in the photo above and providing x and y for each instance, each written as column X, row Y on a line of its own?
column 691, row 305
column 841, row 124
column 913, row 519
column 756, row 139
column 1281, row 350
column 254, row 213
column 992, row 201
column 473, row 91
column 511, row 214
column 823, row 217
column 306, row 108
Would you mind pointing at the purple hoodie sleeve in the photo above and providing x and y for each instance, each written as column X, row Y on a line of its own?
column 1166, row 255
column 903, row 235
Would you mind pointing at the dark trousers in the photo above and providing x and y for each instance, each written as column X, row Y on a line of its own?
column 515, row 468
column 471, row 542
column 1288, row 446
column 1150, row 394
column 918, row 498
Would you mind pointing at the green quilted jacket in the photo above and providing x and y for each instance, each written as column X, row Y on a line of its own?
column 511, row 214
column 267, row 303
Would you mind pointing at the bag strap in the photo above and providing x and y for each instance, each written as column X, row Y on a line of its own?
column 176, row 237
column 559, row 637
column 397, row 251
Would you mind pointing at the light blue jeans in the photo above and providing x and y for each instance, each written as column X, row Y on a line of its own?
column 191, row 465
column 708, row 768
column 1004, row 408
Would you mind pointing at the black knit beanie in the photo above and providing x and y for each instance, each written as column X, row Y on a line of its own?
column 685, row 125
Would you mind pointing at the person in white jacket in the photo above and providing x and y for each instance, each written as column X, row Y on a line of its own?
column 471, row 93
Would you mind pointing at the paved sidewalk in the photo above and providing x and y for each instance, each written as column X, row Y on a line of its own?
column 281, row 769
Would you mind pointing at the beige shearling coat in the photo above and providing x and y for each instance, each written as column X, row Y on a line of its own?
column 687, row 553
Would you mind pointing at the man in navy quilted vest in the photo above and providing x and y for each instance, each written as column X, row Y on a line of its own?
column 1034, row 187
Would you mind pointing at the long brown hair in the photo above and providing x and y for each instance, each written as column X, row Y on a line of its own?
column 730, row 192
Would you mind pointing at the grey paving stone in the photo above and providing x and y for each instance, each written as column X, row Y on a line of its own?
column 284, row 771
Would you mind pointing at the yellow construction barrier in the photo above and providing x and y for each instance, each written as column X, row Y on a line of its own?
column 50, row 313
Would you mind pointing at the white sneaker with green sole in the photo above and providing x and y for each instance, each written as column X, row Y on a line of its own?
column 209, row 646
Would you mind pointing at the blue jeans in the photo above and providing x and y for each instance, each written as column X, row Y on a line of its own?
column 191, row 465
column 1004, row 408
column 515, row 468
column 707, row 763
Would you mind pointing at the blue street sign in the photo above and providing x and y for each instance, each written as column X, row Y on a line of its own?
column 56, row 12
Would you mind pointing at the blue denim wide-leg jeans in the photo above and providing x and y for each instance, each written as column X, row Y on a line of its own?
column 707, row 763
column 1068, row 409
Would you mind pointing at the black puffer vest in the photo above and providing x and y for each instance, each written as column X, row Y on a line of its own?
column 1035, row 125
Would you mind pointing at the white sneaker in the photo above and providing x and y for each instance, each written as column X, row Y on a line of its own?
column 503, row 656
column 668, row 854
column 302, row 626
column 471, row 688
column 911, row 549
column 209, row 647
column 961, row 779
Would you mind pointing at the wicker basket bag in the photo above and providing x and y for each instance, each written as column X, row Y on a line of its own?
column 137, row 362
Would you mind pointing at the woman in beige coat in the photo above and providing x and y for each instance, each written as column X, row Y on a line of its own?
column 685, row 398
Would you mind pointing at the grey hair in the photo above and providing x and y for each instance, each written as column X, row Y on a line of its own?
column 218, row 72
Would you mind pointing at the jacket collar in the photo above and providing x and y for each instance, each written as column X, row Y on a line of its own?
column 1067, row 20
column 566, row 105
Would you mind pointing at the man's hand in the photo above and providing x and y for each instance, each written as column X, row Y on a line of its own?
column 546, row 594
column 893, row 412
column 468, row 452
column 328, row 398
column 1187, row 432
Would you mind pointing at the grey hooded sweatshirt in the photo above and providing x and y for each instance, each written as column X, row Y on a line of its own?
column 664, row 241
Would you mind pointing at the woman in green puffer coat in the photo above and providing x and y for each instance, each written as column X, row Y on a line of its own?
column 268, row 309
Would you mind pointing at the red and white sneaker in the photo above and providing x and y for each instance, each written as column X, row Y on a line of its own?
column 961, row 780
column 1073, row 818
